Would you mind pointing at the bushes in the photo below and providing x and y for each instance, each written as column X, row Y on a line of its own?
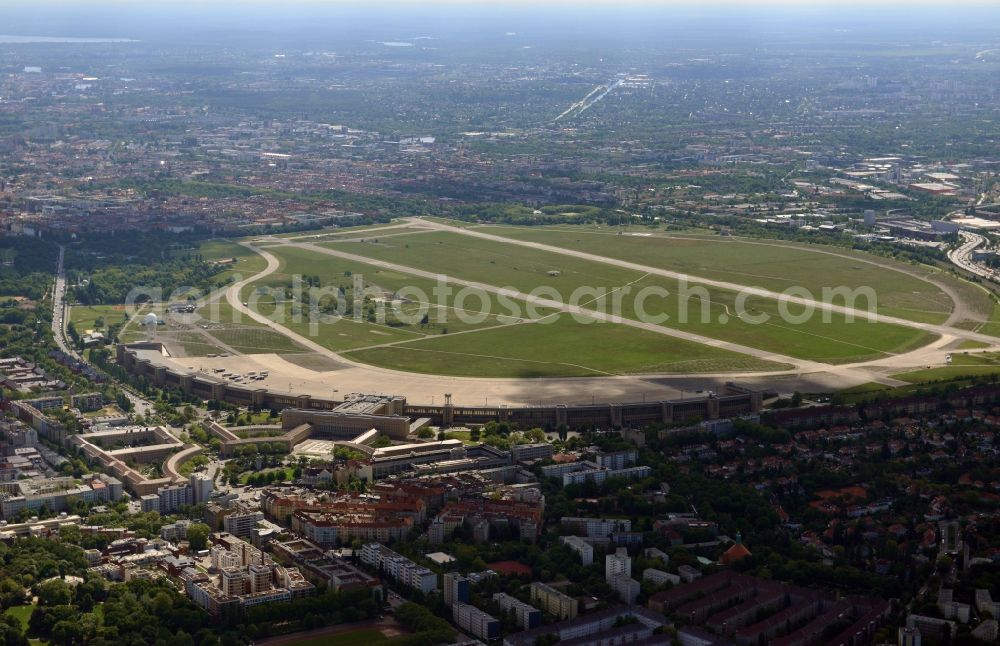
column 324, row 609
column 428, row 628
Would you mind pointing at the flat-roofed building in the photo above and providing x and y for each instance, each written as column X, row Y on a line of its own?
column 552, row 601
column 581, row 547
column 527, row 616
column 476, row 622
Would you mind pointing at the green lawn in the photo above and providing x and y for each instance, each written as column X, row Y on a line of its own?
column 970, row 365
column 774, row 265
column 335, row 230
column 84, row 317
column 21, row 613
column 222, row 251
column 561, row 349
column 992, row 324
column 252, row 340
column 239, row 331
column 221, row 312
column 193, row 343
column 861, row 392
column 465, row 437
column 831, row 339
column 289, row 474
column 494, row 346
column 348, row 332
column 358, row 234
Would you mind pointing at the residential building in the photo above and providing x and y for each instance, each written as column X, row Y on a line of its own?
column 398, row 567
column 201, row 488
column 602, row 628
column 581, row 547
column 456, row 589
column 595, row 527
column 618, row 563
column 527, row 616
column 242, row 521
column 476, row 622
column 529, row 452
column 149, row 502
column 552, row 601
column 174, row 497
column 659, row 577
column 625, row 587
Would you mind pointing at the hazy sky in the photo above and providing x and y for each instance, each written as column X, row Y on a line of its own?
column 177, row 20
column 138, row 5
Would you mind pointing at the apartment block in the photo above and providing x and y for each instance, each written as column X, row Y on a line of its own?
column 527, row 616
column 552, row 601
column 399, row 567
column 242, row 521
column 581, row 547
column 456, row 589
column 619, row 563
column 476, row 622
column 595, row 527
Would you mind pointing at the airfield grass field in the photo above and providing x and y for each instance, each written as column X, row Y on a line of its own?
column 822, row 337
column 240, row 332
column 771, row 264
column 962, row 365
column 247, row 263
column 334, row 272
column 253, row 340
column 359, row 233
column 965, row 370
column 506, row 343
column 992, row 324
column 496, row 346
column 564, row 348
column 352, row 230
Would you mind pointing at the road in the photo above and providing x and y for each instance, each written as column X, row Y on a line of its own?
column 60, row 316
column 962, row 256
column 59, row 312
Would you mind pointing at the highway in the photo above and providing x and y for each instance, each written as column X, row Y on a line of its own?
column 59, row 307
column 962, row 256
column 60, row 312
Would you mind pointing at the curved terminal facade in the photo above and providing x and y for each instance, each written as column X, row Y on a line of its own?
column 736, row 401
